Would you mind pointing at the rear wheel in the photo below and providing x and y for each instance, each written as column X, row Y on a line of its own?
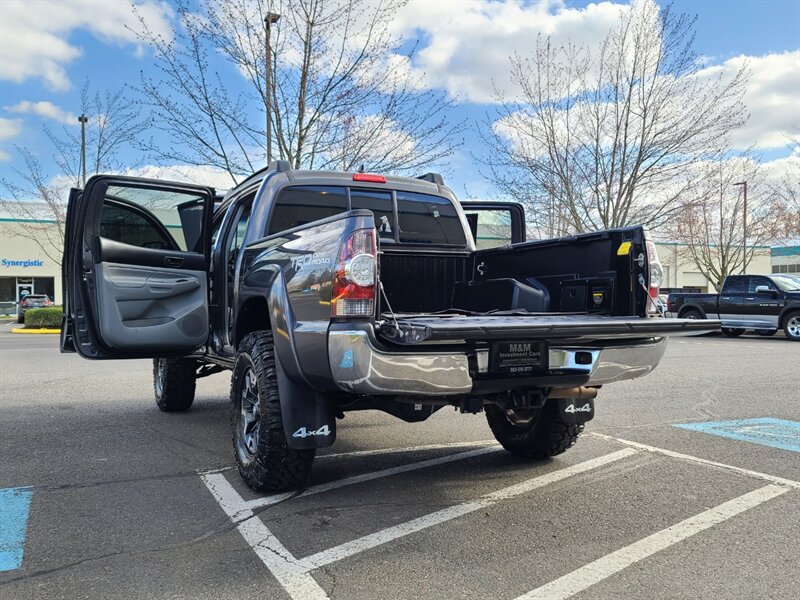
column 791, row 326
column 174, row 382
column 547, row 434
column 732, row 332
column 266, row 462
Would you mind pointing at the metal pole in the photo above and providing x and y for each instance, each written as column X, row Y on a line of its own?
column 83, row 120
column 744, row 226
column 268, row 21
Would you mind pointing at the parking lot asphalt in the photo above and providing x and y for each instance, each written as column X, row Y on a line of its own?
column 129, row 502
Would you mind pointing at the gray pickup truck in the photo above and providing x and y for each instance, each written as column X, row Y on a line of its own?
column 329, row 292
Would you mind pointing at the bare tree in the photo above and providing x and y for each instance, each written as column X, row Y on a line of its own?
column 37, row 200
column 602, row 137
column 340, row 96
column 711, row 228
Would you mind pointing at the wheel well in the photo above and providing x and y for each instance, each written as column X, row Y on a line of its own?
column 690, row 308
column 786, row 315
column 253, row 316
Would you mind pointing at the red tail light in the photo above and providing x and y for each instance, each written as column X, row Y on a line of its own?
column 356, row 276
column 656, row 272
column 369, row 178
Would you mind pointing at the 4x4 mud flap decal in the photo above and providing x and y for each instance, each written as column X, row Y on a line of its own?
column 309, row 419
column 576, row 411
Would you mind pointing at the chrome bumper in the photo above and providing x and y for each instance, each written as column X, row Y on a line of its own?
column 359, row 367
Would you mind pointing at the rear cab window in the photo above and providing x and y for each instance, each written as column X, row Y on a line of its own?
column 400, row 217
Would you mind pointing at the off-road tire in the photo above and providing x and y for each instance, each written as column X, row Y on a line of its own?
column 174, row 381
column 732, row 331
column 791, row 326
column 547, row 435
column 691, row 313
column 272, row 465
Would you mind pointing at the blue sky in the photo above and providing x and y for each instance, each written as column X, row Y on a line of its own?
column 51, row 47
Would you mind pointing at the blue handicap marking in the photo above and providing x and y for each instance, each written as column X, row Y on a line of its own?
column 776, row 433
column 347, row 360
column 14, row 503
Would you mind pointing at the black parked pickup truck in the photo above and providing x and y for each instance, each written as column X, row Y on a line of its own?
column 765, row 303
column 330, row 292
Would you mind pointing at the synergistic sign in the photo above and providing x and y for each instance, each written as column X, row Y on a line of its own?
column 22, row 263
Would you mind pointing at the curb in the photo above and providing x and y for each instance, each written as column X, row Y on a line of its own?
column 34, row 331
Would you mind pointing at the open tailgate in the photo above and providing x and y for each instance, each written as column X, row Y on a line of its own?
column 415, row 329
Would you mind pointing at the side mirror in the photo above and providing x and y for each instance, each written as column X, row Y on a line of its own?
column 765, row 290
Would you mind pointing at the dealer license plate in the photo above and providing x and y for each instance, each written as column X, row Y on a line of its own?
column 518, row 358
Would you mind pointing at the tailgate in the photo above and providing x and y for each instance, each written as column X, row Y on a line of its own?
column 415, row 329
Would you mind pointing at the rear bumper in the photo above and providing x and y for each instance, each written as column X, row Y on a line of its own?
column 359, row 366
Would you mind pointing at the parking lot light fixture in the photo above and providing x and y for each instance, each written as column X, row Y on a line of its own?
column 744, row 226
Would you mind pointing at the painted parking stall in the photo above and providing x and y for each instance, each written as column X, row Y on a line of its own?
column 296, row 574
column 14, row 509
column 775, row 433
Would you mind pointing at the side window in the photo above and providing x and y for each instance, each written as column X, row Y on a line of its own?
column 756, row 281
column 425, row 219
column 379, row 203
column 490, row 228
column 149, row 218
column 735, row 285
column 303, row 204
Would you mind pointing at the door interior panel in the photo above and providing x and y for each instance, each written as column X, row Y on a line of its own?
column 141, row 307
column 117, row 252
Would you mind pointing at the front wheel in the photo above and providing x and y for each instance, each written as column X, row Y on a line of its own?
column 174, row 381
column 791, row 326
column 548, row 433
column 732, row 332
column 266, row 463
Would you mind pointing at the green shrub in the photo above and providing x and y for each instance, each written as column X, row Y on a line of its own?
column 47, row 318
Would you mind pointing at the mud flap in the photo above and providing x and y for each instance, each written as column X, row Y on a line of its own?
column 309, row 419
column 576, row 411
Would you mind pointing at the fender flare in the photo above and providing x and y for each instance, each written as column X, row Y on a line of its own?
column 309, row 416
column 692, row 306
column 793, row 307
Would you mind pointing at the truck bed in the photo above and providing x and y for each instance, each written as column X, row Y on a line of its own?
column 409, row 329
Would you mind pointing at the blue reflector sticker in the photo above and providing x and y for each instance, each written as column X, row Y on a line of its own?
column 347, row 360
column 14, row 503
column 775, row 433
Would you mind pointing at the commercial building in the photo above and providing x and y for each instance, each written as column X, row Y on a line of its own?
column 30, row 256
column 680, row 273
column 786, row 257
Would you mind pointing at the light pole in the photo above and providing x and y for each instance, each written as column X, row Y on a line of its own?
column 268, row 21
column 744, row 226
column 83, row 120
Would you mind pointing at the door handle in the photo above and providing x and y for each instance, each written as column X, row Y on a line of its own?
column 173, row 261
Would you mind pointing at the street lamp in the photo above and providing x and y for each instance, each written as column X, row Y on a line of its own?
column 83, row 120
column 744, row 226
column 269, row 20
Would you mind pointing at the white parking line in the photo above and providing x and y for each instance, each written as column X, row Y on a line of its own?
column 602, row 568
column 392, row 533
column 702, row 461
column 293, row 574
column 409, row 449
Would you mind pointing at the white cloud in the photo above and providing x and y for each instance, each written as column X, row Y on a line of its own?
column 45, row 109
column 772, row 98
column 35, row 34
column 466, row 46
column 9, row 128
column 219, row 179
column 4, row 156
